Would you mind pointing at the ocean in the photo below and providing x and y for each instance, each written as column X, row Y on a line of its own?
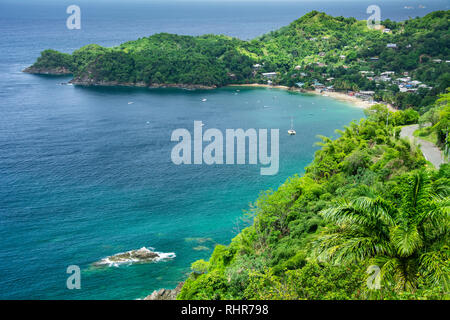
column 86, row 173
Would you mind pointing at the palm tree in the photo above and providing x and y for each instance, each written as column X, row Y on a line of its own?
column 404, row 241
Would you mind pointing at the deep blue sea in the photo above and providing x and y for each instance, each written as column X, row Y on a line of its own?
column 86, row 173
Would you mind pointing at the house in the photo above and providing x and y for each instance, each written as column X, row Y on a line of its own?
column 387, row 73
column 342, row 56
column 318, row 86
column 297, row 67
column 330, row 79
column 257, row 66
column 391, row 45
column 364, row 73
column 270, row 75
column 365, row 95
column 322, row 54
column 437, row 60
column 320, row 64
column 300, row 84
column 405, row 79
column 386, row 30
column 383, row 78
column 303, row 74
column 374, row 58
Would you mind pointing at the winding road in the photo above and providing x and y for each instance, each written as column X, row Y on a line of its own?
column 430, row 151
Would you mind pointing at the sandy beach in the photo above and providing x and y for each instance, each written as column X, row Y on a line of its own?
column 344, row 97
column 335, row 95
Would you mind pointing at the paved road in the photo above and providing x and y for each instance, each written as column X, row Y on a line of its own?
column 429, row 150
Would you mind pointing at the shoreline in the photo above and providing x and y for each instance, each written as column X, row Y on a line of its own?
column 259, row 85
column 357, row 102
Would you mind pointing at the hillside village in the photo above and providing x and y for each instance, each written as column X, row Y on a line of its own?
column 401, row 80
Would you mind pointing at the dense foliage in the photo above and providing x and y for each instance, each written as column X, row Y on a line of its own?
column 54, row 59
column 369, row 198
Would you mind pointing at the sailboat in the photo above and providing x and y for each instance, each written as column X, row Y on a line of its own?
column 291, row 131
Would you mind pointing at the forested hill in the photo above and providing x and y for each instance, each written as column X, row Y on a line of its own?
column 368, row 220
column 317, row 48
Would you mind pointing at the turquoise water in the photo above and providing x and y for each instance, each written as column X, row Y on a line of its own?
column 84, row 174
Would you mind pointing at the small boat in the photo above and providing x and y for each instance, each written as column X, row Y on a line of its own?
column 291, row 131
column 131, row 102
column 204, row 100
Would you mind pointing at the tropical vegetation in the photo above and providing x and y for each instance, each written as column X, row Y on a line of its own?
column 369, row 201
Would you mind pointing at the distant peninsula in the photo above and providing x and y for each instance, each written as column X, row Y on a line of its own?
column 401, row 63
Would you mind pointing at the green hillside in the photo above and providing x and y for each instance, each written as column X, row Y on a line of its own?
column 368, row 199
column 316, row 48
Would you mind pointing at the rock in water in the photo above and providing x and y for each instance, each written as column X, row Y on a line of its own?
column 142, row 255
column 165, row 294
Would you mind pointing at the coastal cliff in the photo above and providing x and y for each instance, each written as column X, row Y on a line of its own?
column 54, row 71
column 165, row 294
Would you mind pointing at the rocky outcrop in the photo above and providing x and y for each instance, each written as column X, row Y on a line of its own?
column 87, row 81
column 142, row 255
column 56, row 71
column 165, row 294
